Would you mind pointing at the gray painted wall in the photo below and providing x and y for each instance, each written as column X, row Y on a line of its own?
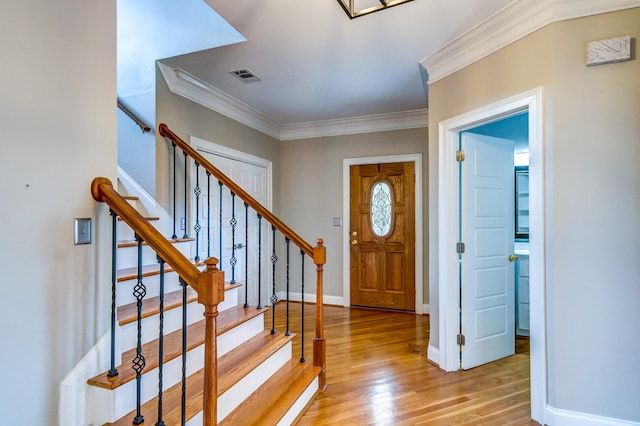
column 592, row 201
column 312, row 188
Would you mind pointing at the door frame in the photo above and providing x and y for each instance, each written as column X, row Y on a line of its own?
column 448, row 218
column 416, row 159
column 200, row 144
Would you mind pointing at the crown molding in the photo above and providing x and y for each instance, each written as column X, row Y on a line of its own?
column 354, row 125
column 186, row 85
column 515, row 21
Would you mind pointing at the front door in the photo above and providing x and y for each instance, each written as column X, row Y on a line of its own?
column 382, row 236
column 487, row 231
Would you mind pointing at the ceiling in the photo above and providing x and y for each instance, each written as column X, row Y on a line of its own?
column 314, row 63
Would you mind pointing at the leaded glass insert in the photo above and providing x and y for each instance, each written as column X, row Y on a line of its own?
column 381, row 209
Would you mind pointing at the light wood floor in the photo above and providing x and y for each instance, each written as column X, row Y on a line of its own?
column 378, row 374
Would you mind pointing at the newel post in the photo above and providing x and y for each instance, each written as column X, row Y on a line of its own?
column 319, row 346
column 210, row 294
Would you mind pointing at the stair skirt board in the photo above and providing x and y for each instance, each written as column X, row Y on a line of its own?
column 110, row 405
column 75, row 406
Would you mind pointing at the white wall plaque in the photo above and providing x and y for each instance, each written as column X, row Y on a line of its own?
column 607, row 51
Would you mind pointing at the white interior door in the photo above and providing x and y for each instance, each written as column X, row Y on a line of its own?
column 487, row 229
column 244, row 249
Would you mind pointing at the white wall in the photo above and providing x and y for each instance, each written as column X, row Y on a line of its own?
column 58, row 117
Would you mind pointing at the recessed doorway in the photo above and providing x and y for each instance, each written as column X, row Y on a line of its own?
column 448, row 229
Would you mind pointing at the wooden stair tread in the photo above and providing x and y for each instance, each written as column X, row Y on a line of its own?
column 151, row 306
column 269, row 403
column 227, row 320
column 231, row 368
column 133, row 243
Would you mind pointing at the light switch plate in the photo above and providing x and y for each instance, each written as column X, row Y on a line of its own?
column 82, row 230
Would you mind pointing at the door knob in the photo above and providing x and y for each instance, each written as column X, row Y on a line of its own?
column 513, row 258
column 354, row 242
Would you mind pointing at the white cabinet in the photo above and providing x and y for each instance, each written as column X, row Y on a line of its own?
column 522, row 296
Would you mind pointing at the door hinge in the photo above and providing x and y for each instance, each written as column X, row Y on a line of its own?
column 459, row 156
column 460, row 339
column 459, row 248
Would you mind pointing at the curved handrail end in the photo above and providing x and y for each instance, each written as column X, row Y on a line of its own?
column 162, row 129
column 95, row 187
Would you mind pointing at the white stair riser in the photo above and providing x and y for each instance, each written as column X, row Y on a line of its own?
column 240, row 334
column 120, row 401
column 150, row 325
column 229, row 400
column 301, row 403
column 124, row 290
column 128, row 256
column 123, row 399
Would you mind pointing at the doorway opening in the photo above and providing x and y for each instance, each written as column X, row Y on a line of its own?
column 448, row 228
column 254, row 175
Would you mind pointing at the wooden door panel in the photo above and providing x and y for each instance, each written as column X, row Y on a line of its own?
column 383, row 266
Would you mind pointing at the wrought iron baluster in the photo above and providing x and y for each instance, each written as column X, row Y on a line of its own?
column 287, row 333
column 274, row 297
column 113, row 371
column 160, row 422
column 197, row 227
column 246, row 255
column 174, row 236
column 139, row 291
column 184, row 352
column 186, row 228
column 259, row 306
column 302, row 254
column 208, row 215
column 233, row 222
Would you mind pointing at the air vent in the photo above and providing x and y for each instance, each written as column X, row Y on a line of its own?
column 245, row 75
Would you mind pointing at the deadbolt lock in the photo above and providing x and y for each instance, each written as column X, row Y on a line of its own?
column 354, row 233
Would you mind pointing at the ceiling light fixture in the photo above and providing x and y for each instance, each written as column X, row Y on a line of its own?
column 365, row 7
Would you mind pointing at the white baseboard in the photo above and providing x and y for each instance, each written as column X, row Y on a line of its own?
column 433, row 354
column 310, row 298
column 73, row 409
column 426, row 309
column 558, row 417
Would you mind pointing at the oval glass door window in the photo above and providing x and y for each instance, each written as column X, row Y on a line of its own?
column 381, row 209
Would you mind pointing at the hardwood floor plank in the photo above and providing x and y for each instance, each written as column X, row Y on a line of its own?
column 378, row 374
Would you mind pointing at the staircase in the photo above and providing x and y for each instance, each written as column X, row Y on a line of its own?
column 226, row 367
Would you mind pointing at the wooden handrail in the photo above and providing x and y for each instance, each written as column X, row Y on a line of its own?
column 236, row 189
column 103, row 191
